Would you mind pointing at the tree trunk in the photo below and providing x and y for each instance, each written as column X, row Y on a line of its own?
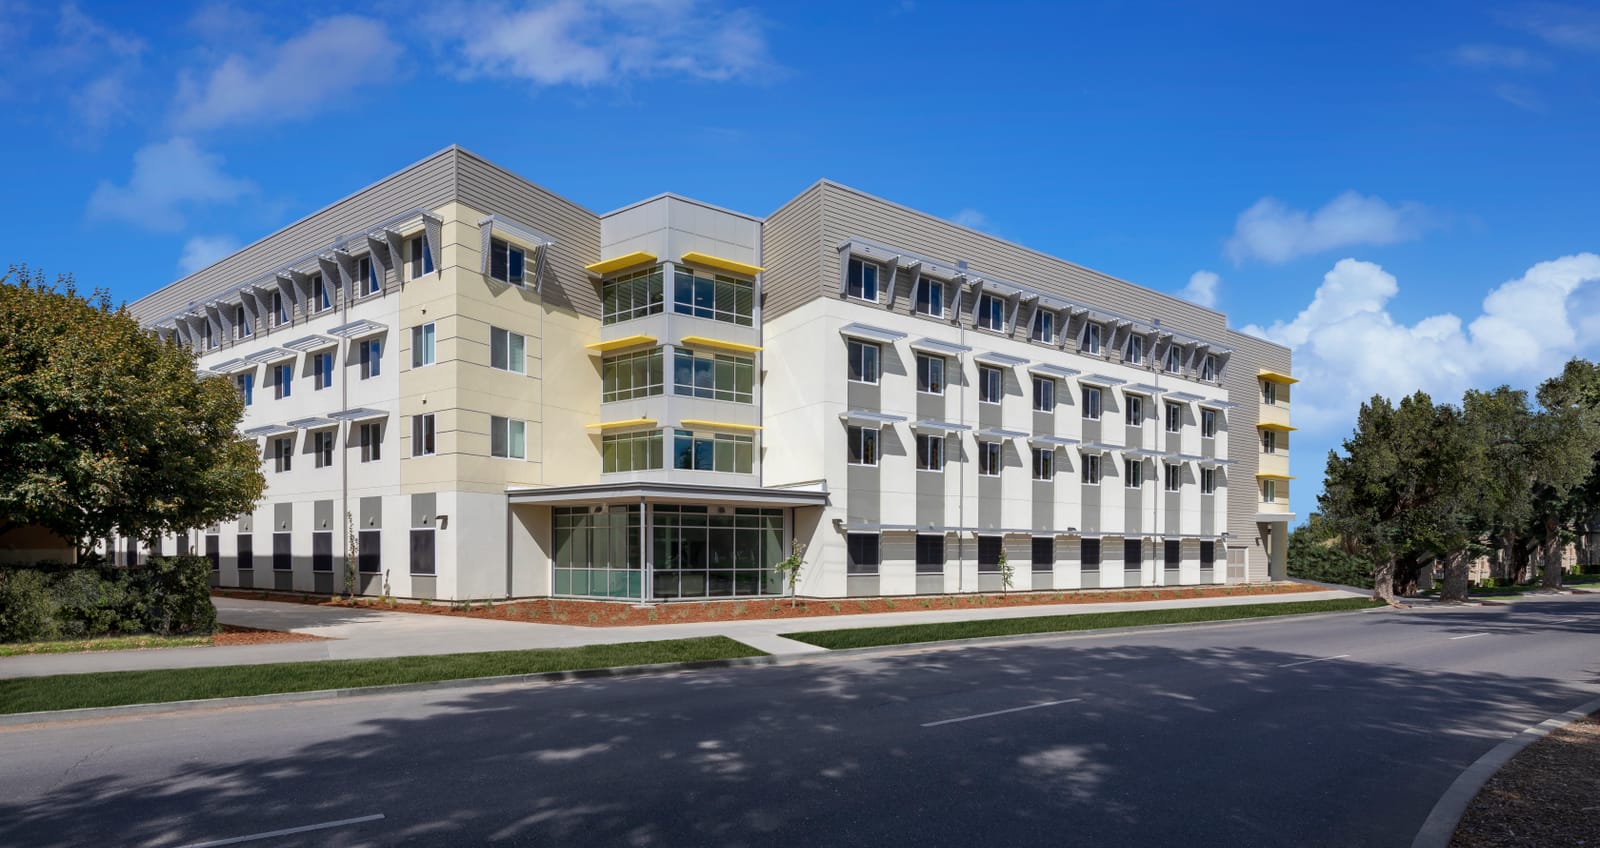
column 1552, row 557
column 1383, row 581
column 1455, row 578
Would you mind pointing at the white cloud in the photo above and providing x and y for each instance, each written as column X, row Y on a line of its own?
column 1273, row 232
column 69, row 57
column 1347, row 347
column 168, row 178
column 200, row 251
column 1202, row 289
column 1519, row 96
column 1497, row 56
column 332, row 58
column 568, row 42
column 971, row 218
column 1564, row 26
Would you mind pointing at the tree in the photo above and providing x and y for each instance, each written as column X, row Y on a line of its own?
column 1568, row 441
column 791, row 565
column 104, row 427
column 1502, row 429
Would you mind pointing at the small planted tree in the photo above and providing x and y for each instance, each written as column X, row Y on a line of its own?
column 349, row 557
column 1006, row 572
column 790, row 567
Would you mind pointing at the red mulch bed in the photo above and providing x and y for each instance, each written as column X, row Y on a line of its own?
column 622, row 614
column 233, row 634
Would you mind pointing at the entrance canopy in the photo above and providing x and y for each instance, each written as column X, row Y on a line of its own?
column 660, row 492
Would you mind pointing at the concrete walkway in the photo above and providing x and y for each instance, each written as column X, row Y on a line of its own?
column 366, row 633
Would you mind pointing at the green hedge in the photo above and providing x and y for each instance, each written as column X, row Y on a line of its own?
column 1310, row 560
column 169, row 597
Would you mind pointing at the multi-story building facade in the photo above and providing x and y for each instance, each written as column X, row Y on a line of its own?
column 480, row 389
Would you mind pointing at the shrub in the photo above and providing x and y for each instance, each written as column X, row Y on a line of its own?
column 1312, row 560
column 27, row 609
column 169, row 597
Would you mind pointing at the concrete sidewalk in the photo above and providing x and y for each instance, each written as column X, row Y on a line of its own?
column 367, row 633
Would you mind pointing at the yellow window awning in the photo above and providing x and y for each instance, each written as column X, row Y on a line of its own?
column 1273, row 425
column 1273, row 477
column 618, row 344
column 627, row 260
column 1275, row 377
column 702, row 424
column 720, row 344
column 626, row 422
column 694, row 257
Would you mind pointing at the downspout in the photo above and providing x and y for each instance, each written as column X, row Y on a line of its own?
column 344, row 452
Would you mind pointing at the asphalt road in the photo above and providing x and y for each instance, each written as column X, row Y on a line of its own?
column 1328, row 731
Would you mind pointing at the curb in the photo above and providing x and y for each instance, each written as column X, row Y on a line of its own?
column 1440, row 826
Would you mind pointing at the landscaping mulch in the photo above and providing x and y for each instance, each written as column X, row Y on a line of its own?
column 624, row 614
column 233, row 634
column 1548, row 795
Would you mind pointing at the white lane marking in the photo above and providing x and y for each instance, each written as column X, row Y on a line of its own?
column 1564, row 621
column 285, row 832
column 1468, row 636
column 1002, row 712
column 1307, row 662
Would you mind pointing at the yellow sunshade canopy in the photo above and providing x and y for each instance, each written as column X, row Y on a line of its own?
column 722, row 344
column 618, row 344
column 696, row 258
column 1272, row 425
column 626, row 422
column 627, row 260
column 1275, row 377
column 1273, row 477
column 702, row 424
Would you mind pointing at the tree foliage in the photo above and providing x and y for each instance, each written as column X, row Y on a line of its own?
column 104, row 427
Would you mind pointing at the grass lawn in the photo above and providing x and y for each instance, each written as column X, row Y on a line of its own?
column 116, row 688
column 907, row 634
column 1568, row 581
column 102, row 643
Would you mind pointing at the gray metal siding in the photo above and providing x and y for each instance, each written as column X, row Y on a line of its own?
column 1250, row 355
column 793, row 250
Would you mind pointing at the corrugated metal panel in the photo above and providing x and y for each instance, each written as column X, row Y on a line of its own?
column 1250, row 355
column 793, row 250
column 428, row 184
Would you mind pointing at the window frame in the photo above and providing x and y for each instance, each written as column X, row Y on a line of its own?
column 1042, row 317
column 371, row 440
column 991, row 458
column 1208, row 481
column 991, row 313
column 931, row 459
column 712, row 368
column 282, row 454
column 424, row 435
column 1208, row 368
column 863, row 553
column 925, row 563
column 1135, row 350
column 321, row 370
column 1172, row 363
column 1133, row 473
column 1093, row 344
column 925, row 377
column 1172, row 477
column 856, row 356
column 1269, row 491
column 1133, row 410
column 503, row 257
column 1269, row 393
column 282, row 380
column 935, row 291
column 991, row 384
column 1092, row 402
column 1174, row 417
column 1091, row 471
column 425, row 345
column 857, row 440
column 503, row 434
column 419, row 261
column 651, row 363
column 1045, row 386
column 513, row 349
column 1269, row 442
column 857, row 284
column 322, row 442
column 1208, row 423
column 1049, row 565
column 1044, row 465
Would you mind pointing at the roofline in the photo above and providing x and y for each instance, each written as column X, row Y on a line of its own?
column 674, row 196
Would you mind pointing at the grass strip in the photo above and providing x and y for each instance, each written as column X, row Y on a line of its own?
column 103, row 643
column 117, row 688
column 868, row 637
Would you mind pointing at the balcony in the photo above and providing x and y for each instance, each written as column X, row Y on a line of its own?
column 1274, row 416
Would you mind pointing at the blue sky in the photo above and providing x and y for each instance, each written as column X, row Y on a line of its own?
column 1405, row 195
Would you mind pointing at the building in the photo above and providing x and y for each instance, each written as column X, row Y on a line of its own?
column 484, row 390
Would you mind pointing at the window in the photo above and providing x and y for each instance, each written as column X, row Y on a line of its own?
column 718, row 298
column 1174, row 477
column 508, row 437
column 211, row 340
column 930, row 374
column 422, row 345
column 991, row 313
column 636, row 451
column 1044, row 464
column 1044, row 394
column 422, row 551
column 863, row 552
column 1208, row 555
column 369, row 551
column 282, row 380
column 1174, row 360
column 506, row 261
column 246, row 546
column 1208, row 481
column 863, row 444
column 1091, row 338
column 990, row 549
column 1134, row 409
column 322, row 448
column 213, row 550
column 371, row 441
column 1133, row 473
column 1091, row 469
column 930, row 297
column 988, row 458
column 241, row 323
column 422, row 435
column 1269, row 391
column 1269, row 441
column 321, row 301
column 1208, row 423
column 282, row 552
column 626, row 376
column 371, row 357
column 722, row 452
column 930, row 452
column 1044, row 327
column 421, row 257
column 322, row 370
column 282, row 453
column 1172, row 553
column 1269, row 491
column 1132, row 554
column 508, row 351
column 715, row 376
column 1044, row 553
column 322, row 551
column 863, row 280
column 930, row 554
column 1135, row 351
column 1091, row 403
column 631, row 296
column 369, row 277
column 1174, row 418
column 1090, row 554
column 1208, row 368
column 247, row 387
column 863, row 362
column 991, row 384
column 280, row 313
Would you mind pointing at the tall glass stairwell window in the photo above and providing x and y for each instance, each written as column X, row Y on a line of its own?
column 718, row 298
column 631, row 296
column 716, row 377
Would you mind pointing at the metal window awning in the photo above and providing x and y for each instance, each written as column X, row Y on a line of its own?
column 618, row 344
column 528, row 238
column 994, row 434
column 865, row 417
column 946, row 427
column 618, row 263
column 269, row 430
column 359, row 414
column 1098, row 447
column 1144, row 453
column 306, row 344
column 1100, row 380
column 1218, row 404
column 1213, row 462
column 1004, row 360
column 705, row 424
column 867, row 332
column 928, row 345
column 270, row 355
column 315, row 422
column 1277, row 377
column 1060, row 371
column 1273, row 425
column 1052, row 441
column 1274, row 517
column 695, row 257
column 358, row 329
column 1184, row 397
column 1186, row 457
column 621, row 423
column 719, row 344
column 1142, row 389
column 233, row 366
